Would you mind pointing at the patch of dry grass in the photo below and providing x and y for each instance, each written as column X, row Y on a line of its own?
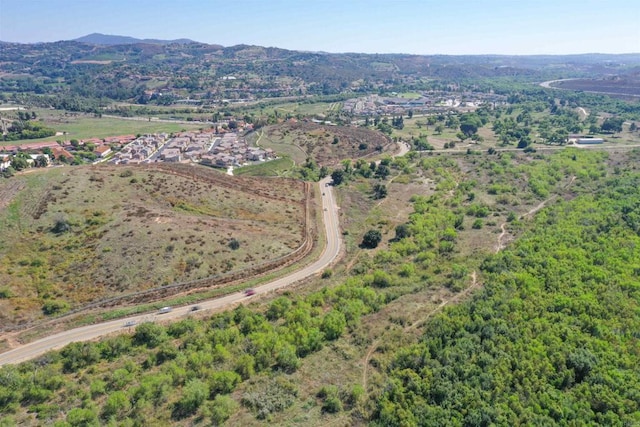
column 131, row 229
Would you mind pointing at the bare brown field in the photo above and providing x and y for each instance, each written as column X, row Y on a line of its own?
column 122, row 230
column 623, row 87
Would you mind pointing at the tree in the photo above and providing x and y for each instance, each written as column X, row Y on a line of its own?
column 245, row 366
column 286, row 358
column 470, row 124
column 382, row 171
column 41, row 162
column 402, row 231
column 221, row 409
column 524, row 142
column 234, row 244
column 439, row 129
column 461, row 136
column 19, row 163
column 612, row 125
column 195, row 392
column 223, row 382
column 337, row 176
column 117, row 406
column 82, row 417
column 333, row 324
column 8, row 172
column 379, row 191
column 371, row 239
column 150, row 334
column 422, row 143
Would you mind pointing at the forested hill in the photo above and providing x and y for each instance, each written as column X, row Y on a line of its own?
column 145, row 70
column 554, row 337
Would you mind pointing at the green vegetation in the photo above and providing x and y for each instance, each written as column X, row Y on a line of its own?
column 552, row 338
column 25, row 128
column 246, row 362
column 278, row 167
column 87, row 126
column 391, row 335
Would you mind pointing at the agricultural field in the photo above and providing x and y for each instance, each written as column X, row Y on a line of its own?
column 627, row 86
column 305, row 109
column 83, row 126
column 72, row 236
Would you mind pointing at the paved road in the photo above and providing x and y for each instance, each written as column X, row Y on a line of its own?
column 86, row 333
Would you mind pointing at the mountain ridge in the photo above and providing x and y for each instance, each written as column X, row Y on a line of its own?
column 112, row 39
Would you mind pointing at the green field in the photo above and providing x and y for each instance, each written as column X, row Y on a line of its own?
column 83, row 126
column 277, row 167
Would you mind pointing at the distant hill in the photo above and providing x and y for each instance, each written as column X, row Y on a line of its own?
column 109, row 40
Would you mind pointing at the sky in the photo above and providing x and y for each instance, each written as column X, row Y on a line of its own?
column 450, row 27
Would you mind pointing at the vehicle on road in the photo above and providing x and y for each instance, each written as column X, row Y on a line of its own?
column 164, row 310
column 130, row 323
column 249, row 292
column 195, row 308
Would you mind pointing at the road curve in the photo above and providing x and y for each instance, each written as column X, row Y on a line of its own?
column 90, row 332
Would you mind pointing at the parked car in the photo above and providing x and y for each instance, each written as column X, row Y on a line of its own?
column 250, row 292
column 164, row 310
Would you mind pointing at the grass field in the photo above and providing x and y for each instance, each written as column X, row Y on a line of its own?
column 277, row 167
column 83, row 126
column 295, row 108
column 75, row 235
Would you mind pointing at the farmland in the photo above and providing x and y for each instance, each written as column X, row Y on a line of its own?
column 84, row 126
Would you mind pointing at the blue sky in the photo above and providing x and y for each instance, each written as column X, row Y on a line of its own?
column 370, row 26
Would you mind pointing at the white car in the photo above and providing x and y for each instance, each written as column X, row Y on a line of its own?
column 164, row 310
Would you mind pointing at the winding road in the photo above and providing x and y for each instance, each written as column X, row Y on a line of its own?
column 87, row 333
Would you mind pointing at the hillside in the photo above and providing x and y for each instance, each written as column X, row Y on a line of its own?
column 82, row 76
column 547, row 336
column 324, row 144
column 73, row 236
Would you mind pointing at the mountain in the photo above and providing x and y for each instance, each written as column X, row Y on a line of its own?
column 108, row 40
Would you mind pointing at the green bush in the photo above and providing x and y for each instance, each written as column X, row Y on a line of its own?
column 51, row 307
column 221, row 409
column 330, row 396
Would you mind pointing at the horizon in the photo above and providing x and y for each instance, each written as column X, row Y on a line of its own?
column 462, row 27
column 143, row 39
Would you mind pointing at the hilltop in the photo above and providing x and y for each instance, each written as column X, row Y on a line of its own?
column 109, row 40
